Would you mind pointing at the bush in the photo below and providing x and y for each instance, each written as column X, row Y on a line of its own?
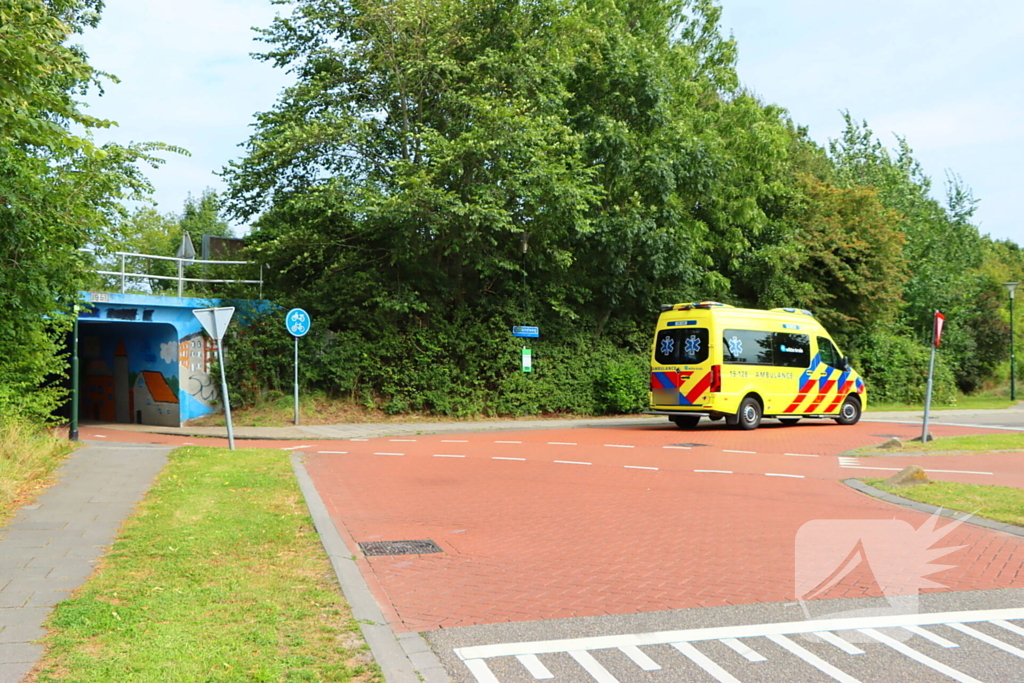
column 460, row 368
column 895, row 369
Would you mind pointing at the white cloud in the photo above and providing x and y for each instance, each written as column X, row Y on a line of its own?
column 169, row 352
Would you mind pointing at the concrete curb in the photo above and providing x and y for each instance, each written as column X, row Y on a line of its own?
column 403, row 658
column 933, row 510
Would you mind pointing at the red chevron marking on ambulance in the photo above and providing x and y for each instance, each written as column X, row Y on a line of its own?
column 699, row 388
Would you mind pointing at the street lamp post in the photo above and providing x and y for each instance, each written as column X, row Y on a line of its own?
column 73, row 428
column 1010, row 287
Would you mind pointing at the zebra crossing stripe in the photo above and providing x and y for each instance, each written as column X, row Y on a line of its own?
column 1009, row 627
column 741, row 648
column 843, row 644
column 919, row 657
column 479, row 668
column 985, row 638
column 812, row 659
column 535, row 667
column 928, row 635
column 706, row 663
column 639, row 658
column 593, row 667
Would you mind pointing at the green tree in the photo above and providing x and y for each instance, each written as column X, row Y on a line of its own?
column 58, row 192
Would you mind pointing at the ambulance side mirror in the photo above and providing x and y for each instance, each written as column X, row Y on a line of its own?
column 845, row 364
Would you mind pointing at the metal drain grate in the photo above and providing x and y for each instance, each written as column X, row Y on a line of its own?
column 399, row 547
column 692, row 445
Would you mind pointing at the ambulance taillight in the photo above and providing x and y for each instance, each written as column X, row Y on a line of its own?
column 716, row 378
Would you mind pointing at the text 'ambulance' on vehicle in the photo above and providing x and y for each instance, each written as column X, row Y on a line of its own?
column 741, row 364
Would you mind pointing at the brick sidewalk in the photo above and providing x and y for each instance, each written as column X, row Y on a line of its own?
column 51, row 547
column 537, row 539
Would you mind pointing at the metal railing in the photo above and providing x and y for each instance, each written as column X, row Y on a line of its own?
column 180, row 277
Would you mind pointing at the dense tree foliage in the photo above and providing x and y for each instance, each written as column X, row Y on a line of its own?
column 58, row 192
column 441, row 166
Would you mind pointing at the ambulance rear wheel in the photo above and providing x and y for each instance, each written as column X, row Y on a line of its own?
column 686, row 421
column 749, row 416
column 849, row 414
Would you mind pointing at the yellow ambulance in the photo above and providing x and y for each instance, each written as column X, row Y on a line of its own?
column 717, row 361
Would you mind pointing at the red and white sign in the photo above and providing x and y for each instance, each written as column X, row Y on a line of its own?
column 940, row 320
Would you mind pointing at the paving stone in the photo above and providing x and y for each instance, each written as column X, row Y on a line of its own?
column 20, row 653
column 14, row 598
column 23, row 631
column 13, row 672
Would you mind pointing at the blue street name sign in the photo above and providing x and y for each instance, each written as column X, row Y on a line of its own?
column 297, row 322
column 525, row 331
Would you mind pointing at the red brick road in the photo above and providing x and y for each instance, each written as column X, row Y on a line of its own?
column 541, row 539
column 527, row 537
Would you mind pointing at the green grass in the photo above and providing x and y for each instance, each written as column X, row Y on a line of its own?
column 28, row 456
column 218, row 576
column 978, row 443
column 962, row 403
column 1001, row 503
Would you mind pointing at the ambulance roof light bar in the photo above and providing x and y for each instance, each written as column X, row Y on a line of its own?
column 691, row 306
column 804, row 311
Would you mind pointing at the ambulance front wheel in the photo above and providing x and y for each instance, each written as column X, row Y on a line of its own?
column 849, row 414
column 685, row 421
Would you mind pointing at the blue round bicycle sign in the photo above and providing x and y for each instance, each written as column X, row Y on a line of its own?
column 297, row 322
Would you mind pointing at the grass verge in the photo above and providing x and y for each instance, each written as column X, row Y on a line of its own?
column 28, row 456
column 1001, row 503
column 218, row 576
column 961, row 403
column 950, row 445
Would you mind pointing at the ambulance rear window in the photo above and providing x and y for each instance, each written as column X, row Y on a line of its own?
column 747, row 347
column 687, row 346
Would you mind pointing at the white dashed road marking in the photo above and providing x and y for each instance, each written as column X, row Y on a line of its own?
column 572, row 462
column 617, row 445
column 508, row 442
column 794, row 476
column 802, row 455
column 334, row 452
column 389, row 453
column 716, row 471
column 746, row 452
column 446, row 455
column 638, row 467
column 498, row 457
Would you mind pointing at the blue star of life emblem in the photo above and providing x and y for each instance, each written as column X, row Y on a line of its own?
column 692, row 345
column 667, row 345
column 736, row 346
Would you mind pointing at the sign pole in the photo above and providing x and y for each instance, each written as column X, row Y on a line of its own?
column 936, row 339
column 73, row 429
column 296, row 380
column 224, row 390
column 297, row 322
column 215, row 321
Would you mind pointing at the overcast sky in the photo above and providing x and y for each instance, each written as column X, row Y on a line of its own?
column 946, row 75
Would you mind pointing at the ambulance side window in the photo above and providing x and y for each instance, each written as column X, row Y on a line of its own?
column 792, row 350
column 829, row 355
column 683, row 346
column 747, row 347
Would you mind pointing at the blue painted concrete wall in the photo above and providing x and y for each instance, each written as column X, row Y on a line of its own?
column 146, row 359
